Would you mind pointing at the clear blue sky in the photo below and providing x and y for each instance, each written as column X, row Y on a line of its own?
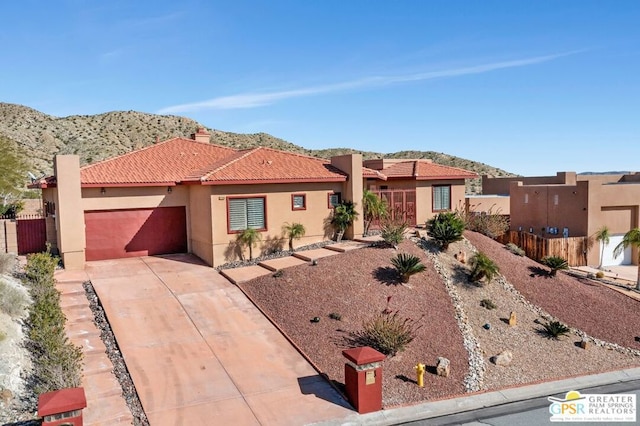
column 530, row 87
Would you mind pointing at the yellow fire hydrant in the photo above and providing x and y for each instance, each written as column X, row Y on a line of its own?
column 420, row 369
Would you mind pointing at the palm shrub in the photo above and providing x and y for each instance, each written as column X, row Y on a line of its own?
column 374, row 208
column 554, row 329
column 249, row 237
column 445, row 228
column 631, row 238
column 482, row 267
column 294, row 231
column 393, row 231
column 554, row 263
column 407, row 265
column 388, row 333
column 603, row 236
column 344, row 214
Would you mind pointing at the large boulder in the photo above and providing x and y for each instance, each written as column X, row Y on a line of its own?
column 503, row 358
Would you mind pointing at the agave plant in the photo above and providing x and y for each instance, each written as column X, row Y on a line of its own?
column 555, row 263
column 482, row 267
column 554, row 329
column 445, row 228
column 407, row 265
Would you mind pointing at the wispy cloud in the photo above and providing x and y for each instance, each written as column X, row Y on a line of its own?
column 258, row 99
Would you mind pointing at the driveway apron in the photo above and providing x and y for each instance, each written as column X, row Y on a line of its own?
column 200, row 353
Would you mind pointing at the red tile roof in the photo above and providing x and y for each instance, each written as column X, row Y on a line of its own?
column 162, row 163
column 425, row 170
column 262, row 165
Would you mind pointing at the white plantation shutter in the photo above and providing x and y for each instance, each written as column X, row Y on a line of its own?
column 246, row 213
column 255, row 213
column 441, row 197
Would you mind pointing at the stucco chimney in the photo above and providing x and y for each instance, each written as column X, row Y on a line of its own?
column 201, row 135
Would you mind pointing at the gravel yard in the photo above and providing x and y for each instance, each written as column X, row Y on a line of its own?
column 356, row 285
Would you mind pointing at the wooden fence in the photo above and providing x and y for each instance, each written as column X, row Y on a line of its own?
column 573, row 249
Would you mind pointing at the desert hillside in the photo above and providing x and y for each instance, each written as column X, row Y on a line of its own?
column 96, row 137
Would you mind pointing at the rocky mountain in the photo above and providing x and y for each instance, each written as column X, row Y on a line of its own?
column 96, row 137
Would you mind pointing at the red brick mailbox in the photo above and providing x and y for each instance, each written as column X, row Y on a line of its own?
column 363, row 378
column 62, row 407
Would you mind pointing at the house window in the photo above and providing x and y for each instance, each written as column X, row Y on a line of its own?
column 298, row 202
column 246, row 213
column 441, row 198
column 334, row 199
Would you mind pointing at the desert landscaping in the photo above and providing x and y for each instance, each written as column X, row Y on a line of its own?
column 446, row 307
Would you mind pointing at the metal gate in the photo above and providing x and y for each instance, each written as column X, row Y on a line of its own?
column 32, row 234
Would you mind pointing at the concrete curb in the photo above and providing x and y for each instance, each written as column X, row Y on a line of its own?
column 484, row 400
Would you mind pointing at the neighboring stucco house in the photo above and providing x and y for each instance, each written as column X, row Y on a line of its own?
column 188, row 195
column 420, row 188
column 574, row 205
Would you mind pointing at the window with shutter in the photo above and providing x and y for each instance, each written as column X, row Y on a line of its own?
column 441, row 198
column 246, row 213
column 334, row 199
column 298, row 201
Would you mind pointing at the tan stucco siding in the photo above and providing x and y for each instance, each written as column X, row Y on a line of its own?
column 201, row 220
column 496, row 204
column 424, row 198
column 134, row 198
column 278, row 212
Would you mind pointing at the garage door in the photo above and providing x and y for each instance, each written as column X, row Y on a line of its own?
column 114, row 234
column 608, row 259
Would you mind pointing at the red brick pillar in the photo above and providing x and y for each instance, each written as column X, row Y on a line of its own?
column 363, row 378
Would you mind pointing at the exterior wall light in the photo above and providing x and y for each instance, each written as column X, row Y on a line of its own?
column 103, row 191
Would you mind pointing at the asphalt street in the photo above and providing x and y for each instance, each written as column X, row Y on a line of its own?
column 532, row 412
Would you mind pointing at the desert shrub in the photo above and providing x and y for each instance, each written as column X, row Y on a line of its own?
column 7, row 262
column 12, row 300
column 488, row 304
column 56, row 361
column 493, row 225
column 554, row 329
column 515, row 249
column 445, row 228
column 600, row 274
column 407, row 265
column 335, row 316
column 392, row 231
column 388, row 333
column 554, row 263
column 482, row 267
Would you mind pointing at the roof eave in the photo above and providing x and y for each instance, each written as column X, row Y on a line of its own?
column 267, row 181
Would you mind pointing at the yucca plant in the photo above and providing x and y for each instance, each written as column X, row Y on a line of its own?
column 554, row 329
column 445, row 228
column 294, row 231
column 407, row 265
column 554, row 263
column 482, row 267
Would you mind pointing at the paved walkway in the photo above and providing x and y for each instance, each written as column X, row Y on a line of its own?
column 200, row 353
column 105, row 404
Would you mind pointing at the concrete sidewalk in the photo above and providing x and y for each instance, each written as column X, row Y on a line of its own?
column 477, row 401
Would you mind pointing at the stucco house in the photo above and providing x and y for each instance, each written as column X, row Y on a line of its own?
column 573, row 205
column 419, row 188
column 188, row 195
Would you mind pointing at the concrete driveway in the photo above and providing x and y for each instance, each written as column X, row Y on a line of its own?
column 200, row 353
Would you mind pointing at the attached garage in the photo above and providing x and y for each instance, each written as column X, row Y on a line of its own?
column 114, row 234
column 608, row 258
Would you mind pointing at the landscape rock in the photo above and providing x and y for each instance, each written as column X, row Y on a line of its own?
column 513, row 320
column 585, row 344
column 503, row 358
column 461, row 256
column 443, row 366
